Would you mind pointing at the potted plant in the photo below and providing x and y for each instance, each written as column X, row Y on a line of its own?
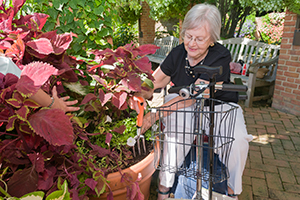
column 40, row 147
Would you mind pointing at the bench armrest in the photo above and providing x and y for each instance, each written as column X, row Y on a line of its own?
column 255, row 66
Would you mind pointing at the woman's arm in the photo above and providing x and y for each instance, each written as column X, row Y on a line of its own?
column 160, row 81
column 172, row 105
column 43, row 99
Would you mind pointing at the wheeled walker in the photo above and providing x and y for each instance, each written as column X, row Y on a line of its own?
column 195, row 136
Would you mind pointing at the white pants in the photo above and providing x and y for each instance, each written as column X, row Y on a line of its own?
column 175, row 145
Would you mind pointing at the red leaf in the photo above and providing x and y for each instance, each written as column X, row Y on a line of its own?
column 140, row 195
column 30, row 103
column 147, row 49
column 59, row 42
column 26, row 86
column 23, row 182
column 37, row 161
column 101, row 152
column 119, row 99
column 17, row 4
column 6, row 24
column 120, row 129
column 40, row 19
column 89, row 97
column 62, row 42
column 101, row 81
column 133, row 83
column 96, row 66
column 104, row 98
column 10, row 79
column 125, row 105
column 133, row 189
column 108, row 138
column 4, row 44
column 46, row 178
column 33, row 141
column 91, row 183
column 45, row 124
column 6, row 93
column 22, row 113
column 4, row 114
column 100, row 186
column 143, row 64
column 14, row 102
column 16, row 51
column 33, row 76
column 42, row 46
column 110, row 196
column 11, row 123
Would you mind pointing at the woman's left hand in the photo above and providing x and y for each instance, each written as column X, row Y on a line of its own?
column 62, row 103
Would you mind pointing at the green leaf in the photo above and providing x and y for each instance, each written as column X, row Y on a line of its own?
column 80, row 39
column 49, row 26
column 104, row 32
column 73, row 4
column 70, row 17
column 58, row 5
column 60, row 194
column 38, row 195
column 98, row 2
column 52, row 13
column 148, row 83
column 99, row 11
column 64, row 1
column 76, row 48
column 77, row 88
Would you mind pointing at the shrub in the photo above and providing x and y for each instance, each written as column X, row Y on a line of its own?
column 125, row 34
column 248, row 29
column 272, row 28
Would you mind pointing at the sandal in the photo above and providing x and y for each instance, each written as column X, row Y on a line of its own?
column 234, row 196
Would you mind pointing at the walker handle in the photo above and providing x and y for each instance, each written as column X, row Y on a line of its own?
column 210, row 71
column 232, row 87
column 224, row 87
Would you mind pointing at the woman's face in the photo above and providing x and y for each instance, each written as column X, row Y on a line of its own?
column 197, row 41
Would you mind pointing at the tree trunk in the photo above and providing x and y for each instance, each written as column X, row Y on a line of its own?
column 232, row 12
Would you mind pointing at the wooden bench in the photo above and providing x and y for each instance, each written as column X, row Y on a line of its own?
column 166, row 44
column 256, row 55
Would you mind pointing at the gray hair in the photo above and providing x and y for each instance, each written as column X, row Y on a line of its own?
column 201, row 14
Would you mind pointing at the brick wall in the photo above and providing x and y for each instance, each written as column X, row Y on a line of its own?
column 147, row 26
column 287, row 86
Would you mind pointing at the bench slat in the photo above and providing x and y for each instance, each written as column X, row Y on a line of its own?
column 166, row 45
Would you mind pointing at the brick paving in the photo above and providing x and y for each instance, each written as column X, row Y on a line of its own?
column 272, row 170
column 273, row 165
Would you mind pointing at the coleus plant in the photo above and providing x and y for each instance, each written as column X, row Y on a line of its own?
column 42, row 147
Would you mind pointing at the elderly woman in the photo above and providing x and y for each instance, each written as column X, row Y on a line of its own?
column 200, row 32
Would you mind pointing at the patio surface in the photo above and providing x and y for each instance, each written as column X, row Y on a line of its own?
column 273, row 166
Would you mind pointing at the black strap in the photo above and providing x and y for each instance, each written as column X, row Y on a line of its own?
column 164, row 193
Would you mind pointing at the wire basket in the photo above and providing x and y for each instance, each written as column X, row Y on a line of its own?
column 194, row 138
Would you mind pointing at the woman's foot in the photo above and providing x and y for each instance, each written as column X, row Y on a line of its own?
column 231, row 194
column 163, row 192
